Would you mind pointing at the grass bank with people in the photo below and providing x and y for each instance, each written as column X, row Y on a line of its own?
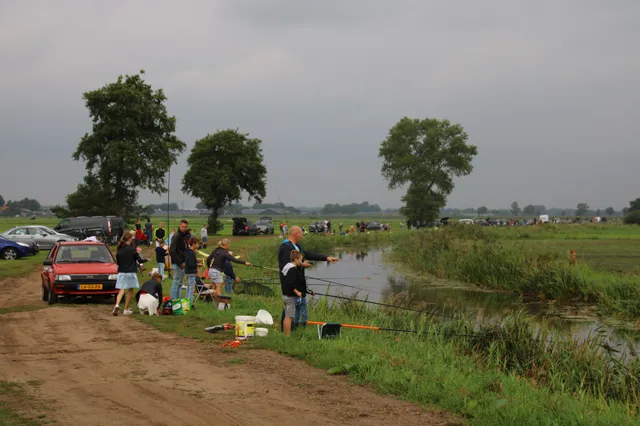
column 495, row 258
column 509, row 374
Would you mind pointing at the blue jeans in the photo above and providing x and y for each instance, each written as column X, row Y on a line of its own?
column 302, row 314
column 228, row 285
column 161, row 268
column 191, row 286
column 178, row 278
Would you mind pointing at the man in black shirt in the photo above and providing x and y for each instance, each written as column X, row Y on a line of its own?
column 178, row 252
column 160, row 233
column 284, row 257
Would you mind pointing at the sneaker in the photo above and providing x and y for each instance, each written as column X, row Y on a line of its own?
column 127, row 312
column 115, row 311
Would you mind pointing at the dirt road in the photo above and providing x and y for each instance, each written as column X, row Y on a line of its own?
column 95, row 369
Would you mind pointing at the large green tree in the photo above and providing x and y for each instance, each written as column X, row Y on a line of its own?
column 610, row 211
column 131, row 147
column 482, row 210
column 425, row 154
column 223, row 165
column 1, row 201
column 529, row 209
column 634, row 205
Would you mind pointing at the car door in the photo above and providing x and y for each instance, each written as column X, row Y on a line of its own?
column 41, row 236
column 20, row 235
column 47, row 271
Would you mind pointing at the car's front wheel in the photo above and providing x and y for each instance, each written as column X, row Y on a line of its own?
column 45, row 293
column 53, row 297
column 10, row 254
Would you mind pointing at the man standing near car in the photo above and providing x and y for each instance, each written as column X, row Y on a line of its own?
column 284, row 257
column 178, row 253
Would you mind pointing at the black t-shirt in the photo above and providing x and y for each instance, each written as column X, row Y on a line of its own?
column 161, row 254
column 160, row 233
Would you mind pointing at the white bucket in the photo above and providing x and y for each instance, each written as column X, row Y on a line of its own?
column 245, row 327
column 262, row 332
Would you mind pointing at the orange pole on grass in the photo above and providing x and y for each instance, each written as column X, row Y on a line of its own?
column 362, row 327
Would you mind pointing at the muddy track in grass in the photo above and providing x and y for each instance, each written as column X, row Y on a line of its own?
column 95, row 369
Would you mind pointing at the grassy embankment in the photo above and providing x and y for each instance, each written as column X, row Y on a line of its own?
column 496, row 258
column 491, row 375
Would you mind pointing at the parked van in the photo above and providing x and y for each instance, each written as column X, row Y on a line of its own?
column 109, row 227
column 544, row 218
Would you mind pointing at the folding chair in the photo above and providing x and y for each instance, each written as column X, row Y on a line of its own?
column 202, row 292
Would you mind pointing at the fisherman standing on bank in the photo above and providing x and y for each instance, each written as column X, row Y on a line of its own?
column 284, row 257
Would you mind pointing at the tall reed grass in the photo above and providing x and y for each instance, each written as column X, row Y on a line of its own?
column 475, row 255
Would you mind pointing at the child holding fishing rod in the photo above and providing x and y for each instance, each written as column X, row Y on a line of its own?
column 284, row 257
column 216, row 261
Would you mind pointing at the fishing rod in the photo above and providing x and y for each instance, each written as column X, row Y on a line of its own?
column 387, row 305
column 324, row 280
column 365, row 327
column 283, row 209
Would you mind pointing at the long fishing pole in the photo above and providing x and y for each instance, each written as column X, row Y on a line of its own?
column 281, row 203
column 323, row 280
column 353, row 299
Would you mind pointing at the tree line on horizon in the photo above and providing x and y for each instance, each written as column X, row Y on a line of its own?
column 132, row 146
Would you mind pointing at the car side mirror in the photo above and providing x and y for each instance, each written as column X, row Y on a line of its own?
column 47, row 262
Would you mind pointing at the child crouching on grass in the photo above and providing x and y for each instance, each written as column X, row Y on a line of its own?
column 292, row 288
column 150, row 295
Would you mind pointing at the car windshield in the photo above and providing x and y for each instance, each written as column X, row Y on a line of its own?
column 84, row 253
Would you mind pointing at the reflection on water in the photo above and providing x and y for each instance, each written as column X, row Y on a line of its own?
column 364, row 272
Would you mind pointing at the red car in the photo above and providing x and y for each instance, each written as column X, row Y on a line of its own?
column 79, row 268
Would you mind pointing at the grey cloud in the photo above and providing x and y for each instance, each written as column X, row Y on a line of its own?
column 547, row 90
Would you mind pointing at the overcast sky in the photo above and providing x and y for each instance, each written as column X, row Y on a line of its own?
column 549, row 91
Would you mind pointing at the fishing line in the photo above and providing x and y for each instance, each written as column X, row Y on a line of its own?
column 353, row 299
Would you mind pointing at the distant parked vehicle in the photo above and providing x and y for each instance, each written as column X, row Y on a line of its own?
column 108, row 228
column 13, row 250
column 243, row 226
column 373, row 226
column 265, row 226
column 79, row 268
column 317, row 226
column 45, row 237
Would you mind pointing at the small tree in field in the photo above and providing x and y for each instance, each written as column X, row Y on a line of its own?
column 482, row 210
column 425, row 154
column 529, row 209
column 582, row 209
column 610, row 211
column 515, row 208
column 221, row 166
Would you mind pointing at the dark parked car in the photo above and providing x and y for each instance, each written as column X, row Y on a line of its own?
column 109, row 228
column 319, row 226
column 12, row 250
column 243, row 226
column 79, row 269
column 373, row 226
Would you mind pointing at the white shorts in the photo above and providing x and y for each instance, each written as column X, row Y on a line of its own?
column 216, row 276
column 148, row 303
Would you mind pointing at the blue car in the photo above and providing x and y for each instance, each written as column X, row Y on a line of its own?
column 12, row 250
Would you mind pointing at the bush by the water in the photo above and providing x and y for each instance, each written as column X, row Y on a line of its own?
column 478, row 256
column 633, row 218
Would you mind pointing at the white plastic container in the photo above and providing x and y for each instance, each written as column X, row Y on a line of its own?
column 262, row 332
column 245, row 327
